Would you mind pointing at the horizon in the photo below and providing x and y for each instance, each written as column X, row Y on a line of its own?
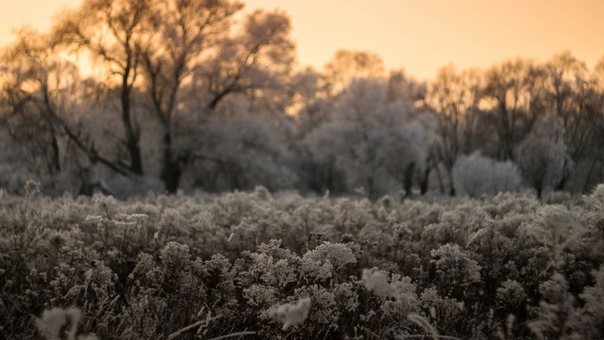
column 446, row 33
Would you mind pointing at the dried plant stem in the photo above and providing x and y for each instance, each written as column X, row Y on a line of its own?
column 233, row 335
column 177, row 333
column 423, row 323
column 424, row 336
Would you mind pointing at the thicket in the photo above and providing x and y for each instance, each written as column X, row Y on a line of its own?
column 282, row 266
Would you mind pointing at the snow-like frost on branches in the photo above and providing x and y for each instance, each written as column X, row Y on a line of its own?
column 291, row 315
column 476, row 175
column 596, row 199
column 377, row 282
column 54, row 320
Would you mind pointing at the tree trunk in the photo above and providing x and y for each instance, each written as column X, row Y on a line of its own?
column 56, row 156
column 171, row 168
column 408, row 179
column 425, row 181
column 539, row 190
column 136, row 163
column 439, row 177
column 588, row 176
column 560, row 185
column 132, row 136
column 451, row 182
column 371, row 190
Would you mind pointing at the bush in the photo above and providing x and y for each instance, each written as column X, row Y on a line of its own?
column 475, row 175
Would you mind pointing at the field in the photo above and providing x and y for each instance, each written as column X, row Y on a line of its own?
column 258, row 265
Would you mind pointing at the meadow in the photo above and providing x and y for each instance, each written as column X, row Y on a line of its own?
column 261, row 265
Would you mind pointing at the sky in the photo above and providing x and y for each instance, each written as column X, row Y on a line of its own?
column 419, row 36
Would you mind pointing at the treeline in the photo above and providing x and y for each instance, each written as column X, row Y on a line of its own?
column 196, row 95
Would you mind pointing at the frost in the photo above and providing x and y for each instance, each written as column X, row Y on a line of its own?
column 53, row 320
column 377, row 282
column 292, row 315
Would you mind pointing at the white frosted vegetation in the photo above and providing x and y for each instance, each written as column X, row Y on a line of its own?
column 279, row 265
column 292, row 315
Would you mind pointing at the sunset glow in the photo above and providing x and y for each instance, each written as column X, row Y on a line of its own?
column 419, row 36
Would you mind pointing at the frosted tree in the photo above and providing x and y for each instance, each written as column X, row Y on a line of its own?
column 543, row 156
column 507, row 89
column 454, row 97
column 570, row 93
column 306, row 103
column 32, row 86
column 111, row 31
column 240, row 151
column 347, row 66
column 354, row 133
column 252, row 62
column 564, row 76
column 371, row 141
column 176, row 34
column 403, row 87
column 405, row 151
column 44, row 101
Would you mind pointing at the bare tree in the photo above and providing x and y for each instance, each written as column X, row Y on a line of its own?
column 454, row 97
column 346, row 66
column 112, row 31
column 42, row 97
column 568, row 90
column 595, row 109
column 507, row 88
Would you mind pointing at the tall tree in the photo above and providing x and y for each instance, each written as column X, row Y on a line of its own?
column 112, row 32
column 568, row 91
column 33, row 79
column 543, row 156
column 506, row 87
column 43, row 95
column 454, row 97
column 372, row 142
column 178, row 32
column 595, row 172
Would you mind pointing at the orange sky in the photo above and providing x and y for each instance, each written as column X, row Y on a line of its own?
column 418, row 35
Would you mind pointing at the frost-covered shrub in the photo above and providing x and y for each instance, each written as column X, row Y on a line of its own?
column 205, row 266
column 496, row 254
column 324, row 312
column 336, row 253
column 596, row 199
column 556, row 228
column 443, row 312
column 476, row 175
column 589, row 319
column 455, row 270
column 511, row 296
column 405, row 299
column 555, row 311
